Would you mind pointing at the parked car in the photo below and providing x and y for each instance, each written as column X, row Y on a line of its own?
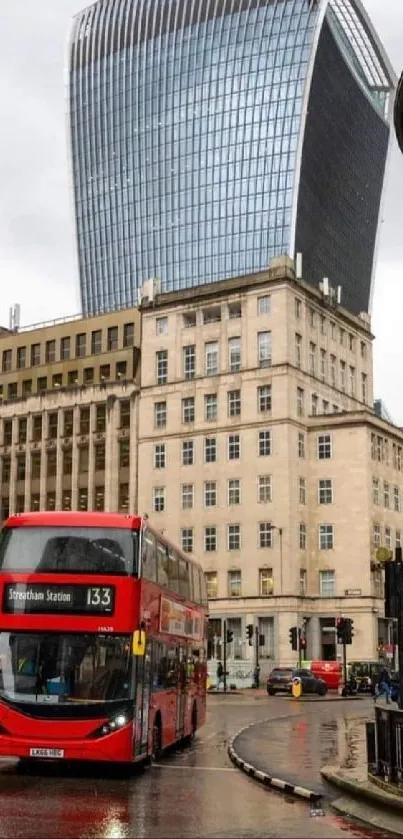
column 280, row 681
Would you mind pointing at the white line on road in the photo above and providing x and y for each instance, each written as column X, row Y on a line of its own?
column 196, row 768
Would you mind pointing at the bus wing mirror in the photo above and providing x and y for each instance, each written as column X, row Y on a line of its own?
column 139, row 642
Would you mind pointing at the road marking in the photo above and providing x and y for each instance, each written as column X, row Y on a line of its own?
column 209, row 737
column 195, row 768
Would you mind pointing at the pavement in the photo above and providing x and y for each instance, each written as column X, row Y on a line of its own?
column 190, row 793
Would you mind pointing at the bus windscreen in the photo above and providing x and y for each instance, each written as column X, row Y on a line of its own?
column 69, row 550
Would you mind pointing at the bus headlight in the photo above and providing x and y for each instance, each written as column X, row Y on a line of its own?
column 111, row 725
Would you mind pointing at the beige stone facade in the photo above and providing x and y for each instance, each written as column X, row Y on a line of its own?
column 246, row 432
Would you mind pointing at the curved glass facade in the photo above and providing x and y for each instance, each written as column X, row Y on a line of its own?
column 187, row 119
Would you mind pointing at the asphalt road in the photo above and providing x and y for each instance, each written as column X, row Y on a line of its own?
column 195, row 792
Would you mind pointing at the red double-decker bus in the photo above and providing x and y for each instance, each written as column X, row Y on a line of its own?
column 103, row 628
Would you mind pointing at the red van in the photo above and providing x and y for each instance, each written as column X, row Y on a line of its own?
column 329, row 671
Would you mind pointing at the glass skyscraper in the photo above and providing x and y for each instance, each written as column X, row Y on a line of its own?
column 209, row 135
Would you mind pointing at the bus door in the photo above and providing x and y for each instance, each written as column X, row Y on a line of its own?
column 142, row 700
column 181, row 695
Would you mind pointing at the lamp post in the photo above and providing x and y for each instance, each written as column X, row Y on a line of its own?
column 280, row 533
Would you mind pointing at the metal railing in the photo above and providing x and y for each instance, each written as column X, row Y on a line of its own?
column 385, row 757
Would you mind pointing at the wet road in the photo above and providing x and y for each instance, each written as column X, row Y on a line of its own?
column 191, row 793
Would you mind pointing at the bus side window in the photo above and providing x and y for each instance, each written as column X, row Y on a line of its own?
column 173, row 571
column 184, row 587
column 203, row 587
column 162, row 565
column 149, row 556
column 196, row 584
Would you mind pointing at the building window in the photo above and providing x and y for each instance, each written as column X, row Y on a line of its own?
column 234, row 403
column 123, row 500
column 234, row 447
column 302, row 582
column 188, row 409
column 187, row 494
column 210, row 494
column 22, row 430
column 81, row 342
column 65, row 349
column 83, row 459
column 364, row 390
column 386, row 495
column 301, row 444
column 96, row 342
column 322, row 325
column 121, row 370
column 21, row 357
column 21, row 467
column 324, row 446
column 189, row 320
column 211, row 584
column 325, row 491
column 187, row 453
column 187, row 539
column 6, row 471
column 88, row 376
column 396, row 499
column 162, row 366
column 85, row 419
column 388, row 537
column 314, row 405
column 343, row 376
column 326, row 537
column 264, row 489
column 26, row 387
column 234, row 537
column 83, row 498
column 100, row 457
column 51, row 501
column 128, row 334
column 124, row 454
column 325, row 406
column 161, row 326
column 52, row 425
column 189, row 362
column 333, row 370
column 12, row 390
column 234, row 309
column 50, row 352
column 72, row 378
column 312, row 358
column 363, row 350
column 210, row 450
column 212, row 315
column 298, row 307
column 100, row 418
column 264, row 347
column 265, row 538
column 234, row 354
column 51, row 465
column 124, row 410
column 68, row 423
column 312, row 318
column 57, row 380
column 159, row 456
column 211, row 358
column 99, row 498
column 375, row 490
column 160, row 414
column 67, row 467
column 263, row 304
column 327, row 584
column 302, row 536
column 210, row 406
column 66, row 499
column 398, row 538
column 300, row 401
column 323, row 364
column 37, row 428
column 210, row 539
column 35, row 355
column 159, row 499
column 7, row 432
column 352, row 380
column 104, row 372
column 302, row 491
column 113, row 338
column 266, row 585
column 376, row 535
column 264, row 443
column 264, row 398
column 298, row 350
column 234, row 583
column 234, row 491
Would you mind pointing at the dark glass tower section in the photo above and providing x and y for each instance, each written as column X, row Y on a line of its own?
column 209, row 135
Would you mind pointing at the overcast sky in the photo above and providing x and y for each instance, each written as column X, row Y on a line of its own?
column 37, row 251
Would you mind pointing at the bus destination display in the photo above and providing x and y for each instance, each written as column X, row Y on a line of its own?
column 43, row 598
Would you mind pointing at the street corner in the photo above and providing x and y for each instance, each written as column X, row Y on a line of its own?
column 366, row 799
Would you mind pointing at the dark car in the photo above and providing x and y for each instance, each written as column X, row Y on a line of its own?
column 280, row 681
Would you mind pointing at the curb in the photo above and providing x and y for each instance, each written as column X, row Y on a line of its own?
column 264, row 778
column 373, row 794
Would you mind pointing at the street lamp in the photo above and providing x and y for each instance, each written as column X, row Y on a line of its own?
column 280, row 533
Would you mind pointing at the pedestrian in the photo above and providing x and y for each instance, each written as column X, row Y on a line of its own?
column 383, row 687
column 220, row 674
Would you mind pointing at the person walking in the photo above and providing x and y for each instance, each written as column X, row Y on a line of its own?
column 220, row 674
column 383, row 688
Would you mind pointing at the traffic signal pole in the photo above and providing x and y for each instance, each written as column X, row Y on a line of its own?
column 299, row 647
column 345, row 666
column 225, row 656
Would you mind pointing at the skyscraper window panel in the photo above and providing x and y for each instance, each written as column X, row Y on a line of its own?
column 186, row 120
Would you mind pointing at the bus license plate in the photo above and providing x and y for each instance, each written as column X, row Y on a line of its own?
column 46, row 753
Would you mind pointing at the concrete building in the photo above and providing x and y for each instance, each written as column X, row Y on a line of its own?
column 68, row 414
column 260, row 451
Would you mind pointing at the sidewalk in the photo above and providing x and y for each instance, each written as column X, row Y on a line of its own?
column 363, row 799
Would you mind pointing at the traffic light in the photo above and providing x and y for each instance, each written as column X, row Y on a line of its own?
column 348, row 631
column 340, row 628
column 302, row 640
column 249, row 634
column 294, row 637
column 230, row 636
